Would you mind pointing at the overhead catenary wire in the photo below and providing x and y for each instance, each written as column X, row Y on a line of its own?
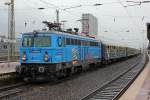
column 139, row 28
column 130, row 17
column 50, row 5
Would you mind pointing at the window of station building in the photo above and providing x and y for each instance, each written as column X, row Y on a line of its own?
column 5, row 46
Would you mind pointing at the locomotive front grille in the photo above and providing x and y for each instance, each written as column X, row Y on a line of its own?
column 39, row 68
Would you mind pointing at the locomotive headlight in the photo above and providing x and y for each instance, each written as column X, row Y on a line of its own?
column 24, row 57
column 46, row 57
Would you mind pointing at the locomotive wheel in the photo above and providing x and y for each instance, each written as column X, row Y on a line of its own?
column 69, row 72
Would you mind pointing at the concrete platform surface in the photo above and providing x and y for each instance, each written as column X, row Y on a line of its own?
column 4, row 68
column 140, row 89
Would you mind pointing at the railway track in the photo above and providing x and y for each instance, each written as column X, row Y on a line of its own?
column 21, row 90
column 11, row 90
column 9, row 85
column 69, row 88
column 116, row 87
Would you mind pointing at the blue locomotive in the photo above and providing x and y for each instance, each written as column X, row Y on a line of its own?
column 46, row 55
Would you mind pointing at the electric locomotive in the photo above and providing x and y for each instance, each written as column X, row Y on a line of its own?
column 48, row 55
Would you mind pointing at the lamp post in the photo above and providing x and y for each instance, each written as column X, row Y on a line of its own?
column 8, row 46
column 11, row 28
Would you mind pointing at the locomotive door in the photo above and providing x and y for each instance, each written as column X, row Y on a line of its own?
column 82, row 53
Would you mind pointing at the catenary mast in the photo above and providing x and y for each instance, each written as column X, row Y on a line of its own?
column 12, row 28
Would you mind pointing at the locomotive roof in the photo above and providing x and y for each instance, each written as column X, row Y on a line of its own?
column 60, row 33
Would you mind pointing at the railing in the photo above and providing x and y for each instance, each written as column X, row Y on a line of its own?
column 12, row 58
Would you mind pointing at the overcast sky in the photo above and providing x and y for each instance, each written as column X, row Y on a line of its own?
column 117, row 24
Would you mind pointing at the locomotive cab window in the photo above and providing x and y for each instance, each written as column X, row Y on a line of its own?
column 27, row 42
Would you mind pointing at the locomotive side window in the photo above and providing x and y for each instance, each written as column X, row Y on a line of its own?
column 76, row 42
column 42, row 41
column 68, row 41
column 79, row 42
column 27, row 42
column 64, row 41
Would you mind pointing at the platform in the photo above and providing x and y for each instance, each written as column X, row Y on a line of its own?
column 140, row 89
column 4, row 68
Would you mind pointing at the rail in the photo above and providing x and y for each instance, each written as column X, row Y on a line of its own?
column 11, row 89
column 9, row 84
column 116, row 87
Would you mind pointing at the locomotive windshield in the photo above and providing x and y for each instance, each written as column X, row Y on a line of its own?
column 42, row 41
column 39, row 41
